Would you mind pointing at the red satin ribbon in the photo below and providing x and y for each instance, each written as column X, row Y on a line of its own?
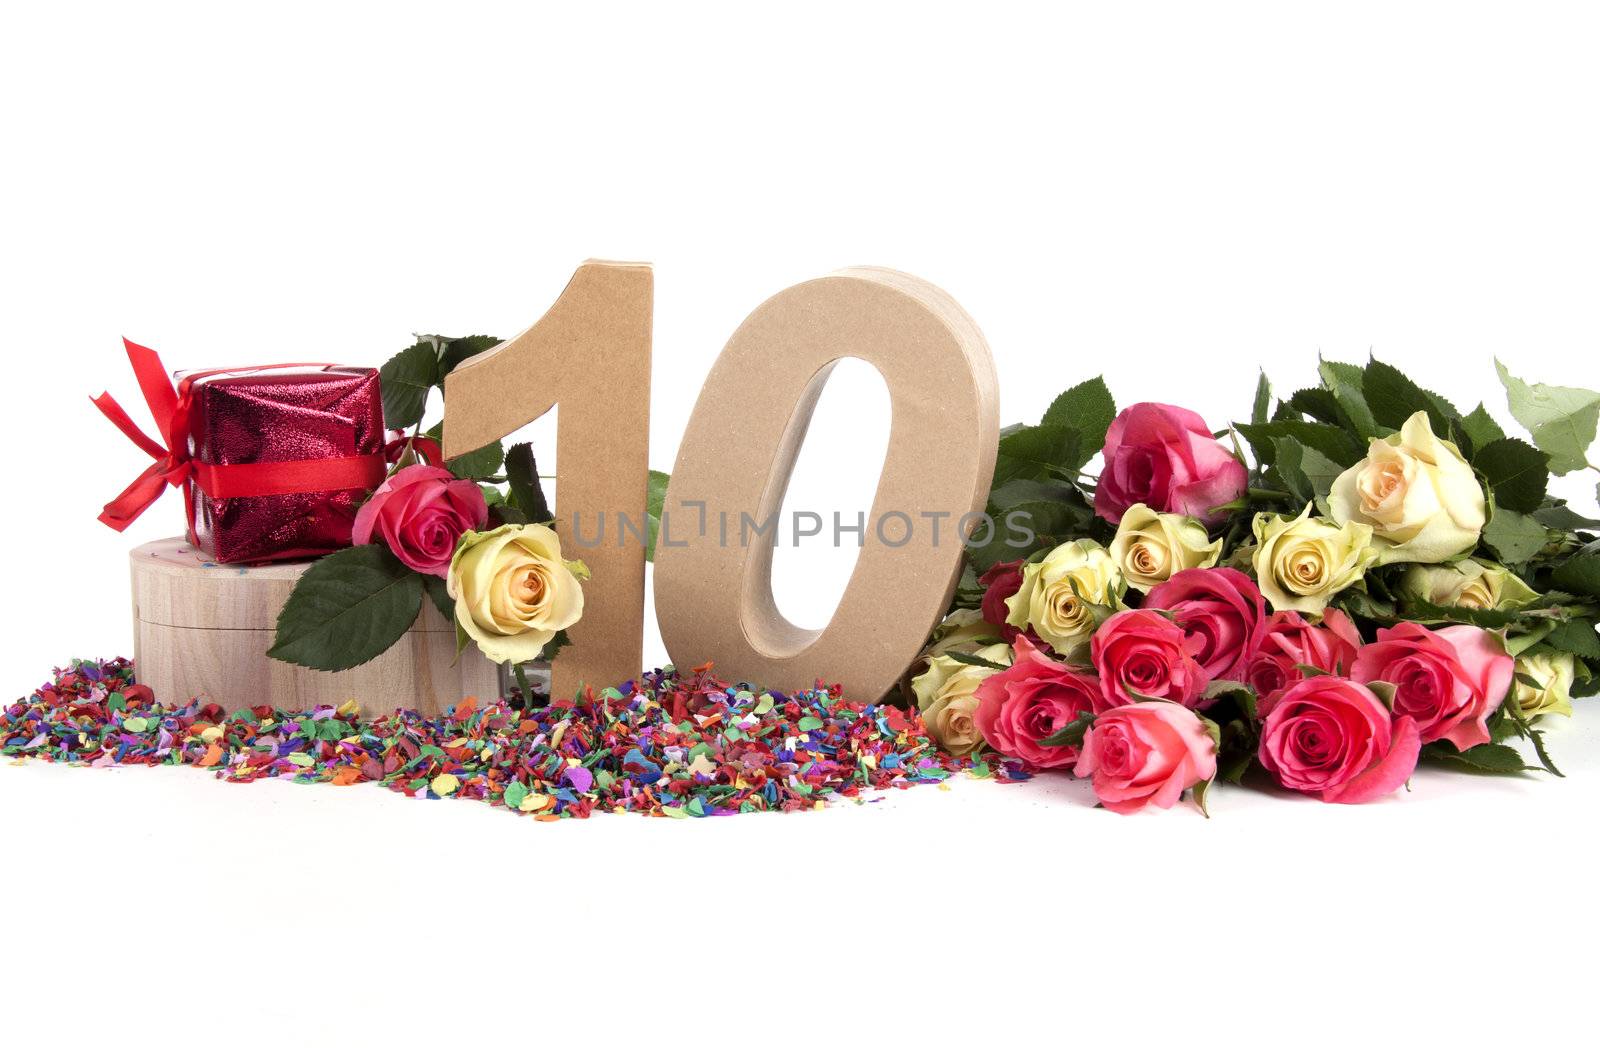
column 171, row 407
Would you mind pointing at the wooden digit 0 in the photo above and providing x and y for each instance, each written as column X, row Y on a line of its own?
column 591, row 354
column 714, row 598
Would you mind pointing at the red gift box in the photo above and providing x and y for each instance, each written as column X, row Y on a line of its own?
column 274, row 461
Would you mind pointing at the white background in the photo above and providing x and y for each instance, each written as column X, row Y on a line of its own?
column 1171, row 195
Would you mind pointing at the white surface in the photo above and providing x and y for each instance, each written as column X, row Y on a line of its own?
column 1171, row 195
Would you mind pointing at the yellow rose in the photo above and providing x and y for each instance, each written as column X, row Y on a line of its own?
column 947, row 696
column 1301, row 562
column 962, row 630
column 1416, row 492
column 1471, row 583
column 1066, row 595
column 1152, row 547
column 1553, row 671
column 513, row 592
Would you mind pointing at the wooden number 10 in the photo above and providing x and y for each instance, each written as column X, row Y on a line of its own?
column 713, row 582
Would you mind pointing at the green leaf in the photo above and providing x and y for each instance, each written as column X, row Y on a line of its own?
column 1563, row 518
column 655, row 500
column 1562, row 419
column 1521, row 726
column 1088, row 409
column 474, row 465
column 1481, row 428
column 348, row 608
column 553, row 647
column 1417, row 610
column 1334, row 443
column 463, row 349
column 1072, row 734
column 1579, row 575
column 1577, row 636
column 1052, row 512
column 1037, row 452
column 1320, row 405
column 1263, row 401
column 1394, row 398
column 1344, row 382
column 1308, row 473
column 1514, row 537
column 439, row 593
column 1516, row 471
column 967, row 659
column 1243, row 694
column 405, row 381
column 1492, row 757
column 522, row 475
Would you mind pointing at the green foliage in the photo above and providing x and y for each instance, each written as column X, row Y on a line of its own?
column 1480, row 428
column 1263, row 401
column 1038, row 495
column 1038, row 453
column 1579, row 575
column 458, row 351
column 1086, row 409
column 474, row 465
column 405, row 381
column 1561, row 419
column 1394, row 398
column 1072, row 734
column 654, row 502
column 1344, row 382
column 522, row 478
column 348, row 608
column 1491, row 758
column 1307, row 473
column 1515, row 471
column 1577, row 636
column 1514, row 537
column 439, row 593
column 968, row 659
column 1045, row 515
column 1334, row 443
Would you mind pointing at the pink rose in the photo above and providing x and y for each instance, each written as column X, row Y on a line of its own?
column 1449, row 680
column 1335, row 738
column 1032, row 700
column 419, row 513
column 1144, row 655
column 1166, row 458
column 1221, row 608
column 1146, row 753
column 1289, row 642
column 999, row 583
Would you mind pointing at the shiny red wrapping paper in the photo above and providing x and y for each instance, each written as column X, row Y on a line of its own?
column 281, row 415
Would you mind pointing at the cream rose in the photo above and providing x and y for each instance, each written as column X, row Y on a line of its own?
column 1152, row 547
column 1066, row 595
column 1416, row 492
column 962, row 630
column 1301, row 562
column 1471, row 583
column 1552, row 671
column 947, row 695
column 513, row 592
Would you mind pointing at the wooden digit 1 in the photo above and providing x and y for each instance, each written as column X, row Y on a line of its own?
column 591, row 354
column 714, row 596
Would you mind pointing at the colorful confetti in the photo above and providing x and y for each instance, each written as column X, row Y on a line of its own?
column 682, row 746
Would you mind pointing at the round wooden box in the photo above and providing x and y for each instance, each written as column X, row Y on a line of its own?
column 202, row 629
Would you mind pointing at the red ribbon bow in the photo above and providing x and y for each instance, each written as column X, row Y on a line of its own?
column 171, row 407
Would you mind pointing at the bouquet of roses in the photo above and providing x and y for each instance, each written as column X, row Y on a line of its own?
column 1383, row 579
column 472, row 533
